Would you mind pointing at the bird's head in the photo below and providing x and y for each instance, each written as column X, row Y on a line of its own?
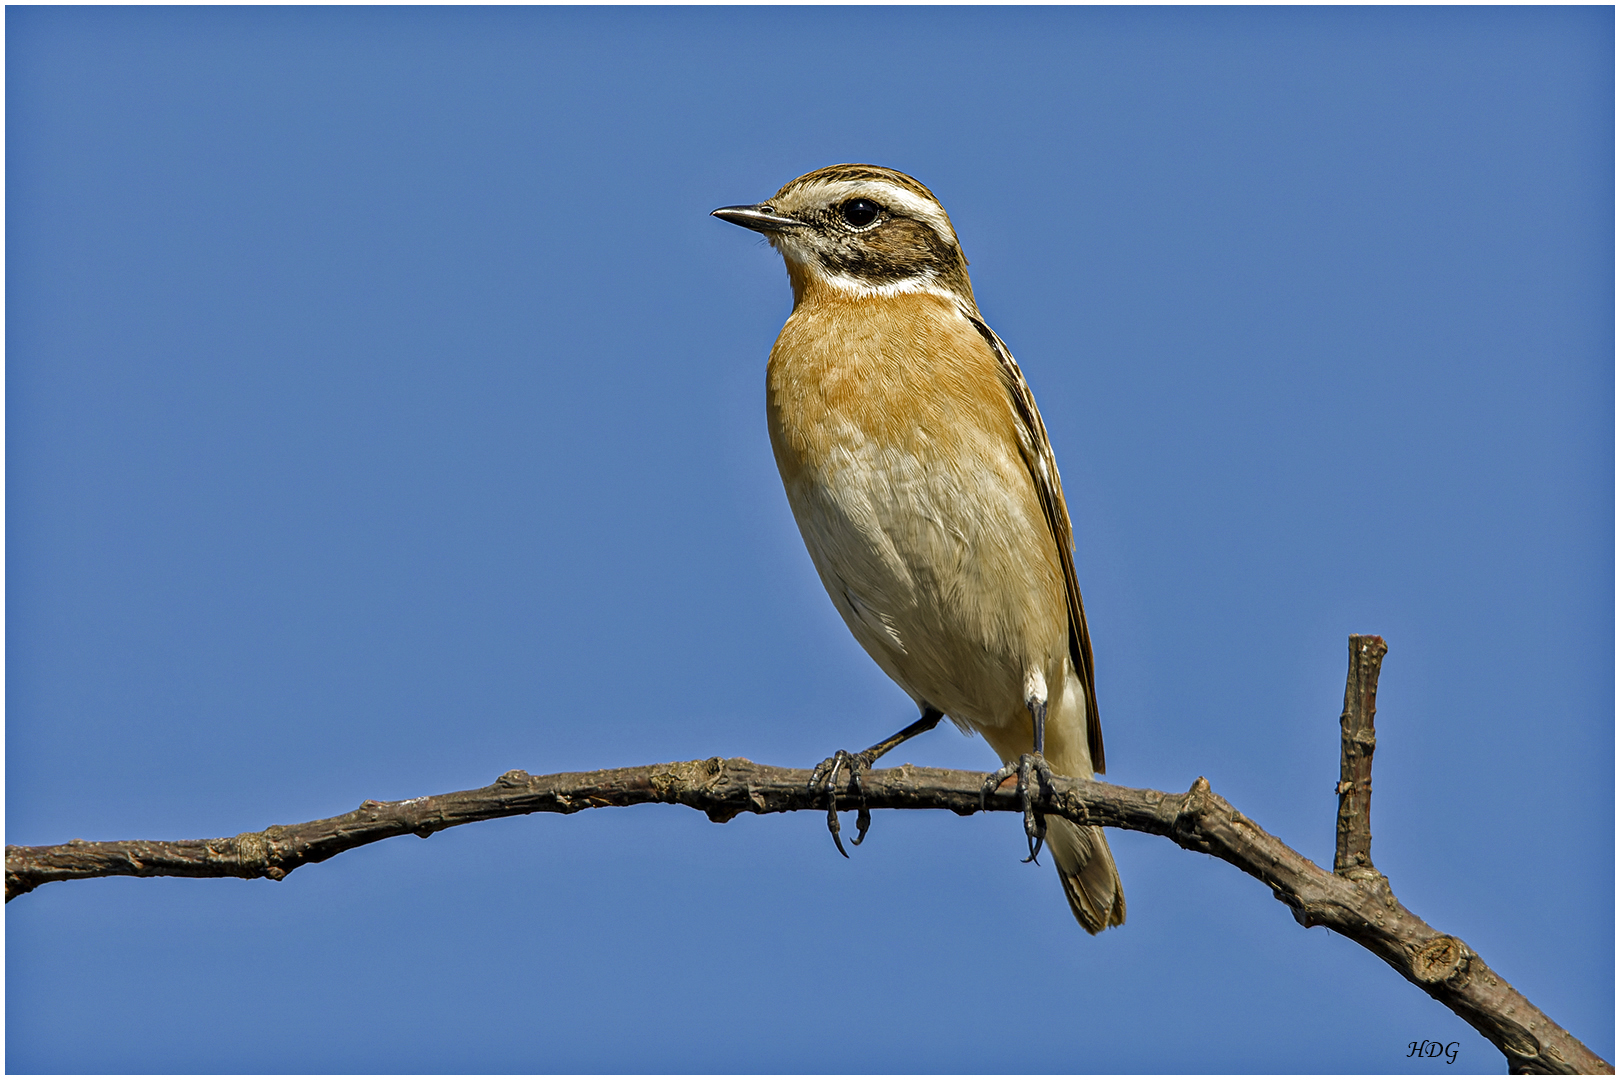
column 862, row 230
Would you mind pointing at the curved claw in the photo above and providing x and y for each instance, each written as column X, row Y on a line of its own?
column 1035, row 835
column 826, row 776
column 835, row 829
column 827, row 773
column 863, row 821
column 1034, row 822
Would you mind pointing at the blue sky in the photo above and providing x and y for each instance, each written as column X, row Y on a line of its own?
column 384, row 412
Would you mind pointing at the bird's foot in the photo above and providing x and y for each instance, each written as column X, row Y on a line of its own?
column 825, row 777
column 826, row 774
column 1029, row 766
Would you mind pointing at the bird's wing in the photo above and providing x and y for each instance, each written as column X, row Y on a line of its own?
column 1036, row 449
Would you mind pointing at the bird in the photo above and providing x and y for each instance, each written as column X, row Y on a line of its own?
column 924, row 485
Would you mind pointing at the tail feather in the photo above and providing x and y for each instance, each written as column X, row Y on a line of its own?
column 1084, row 863
column 1086, row 868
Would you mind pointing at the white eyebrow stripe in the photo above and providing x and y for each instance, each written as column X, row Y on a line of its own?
column 882, row 191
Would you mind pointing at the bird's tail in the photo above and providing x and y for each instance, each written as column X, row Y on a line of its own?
column 1086, row 868
column 1084, row 863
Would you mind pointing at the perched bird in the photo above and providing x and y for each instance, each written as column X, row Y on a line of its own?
column 924, row 485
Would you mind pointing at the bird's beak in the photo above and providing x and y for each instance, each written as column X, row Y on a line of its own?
column 762, row 218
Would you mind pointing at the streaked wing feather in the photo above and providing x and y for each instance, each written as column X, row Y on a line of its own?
column 1037, row 452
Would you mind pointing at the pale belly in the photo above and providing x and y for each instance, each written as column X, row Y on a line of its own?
column 943, row 572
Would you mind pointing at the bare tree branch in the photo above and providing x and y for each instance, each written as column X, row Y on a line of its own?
column 1357, row 740
column 1356, row 902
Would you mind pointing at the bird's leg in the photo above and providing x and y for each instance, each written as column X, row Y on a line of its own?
column 1027, row 766
column 825, row 775
column 1035, row 822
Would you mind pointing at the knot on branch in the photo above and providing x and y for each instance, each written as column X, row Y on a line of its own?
column 1363, row 741
column 1068, row 804
column 1188, row 827
column 1442, row 959
column 1522, row 1049
column 255, row 853
column 1367, row 874
column 671, row 781
column 697, row 783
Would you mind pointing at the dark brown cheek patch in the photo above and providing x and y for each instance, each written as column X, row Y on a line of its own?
column 897, row 249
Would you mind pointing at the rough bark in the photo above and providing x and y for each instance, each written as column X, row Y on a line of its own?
column 1357, row 741
column 1356, row 902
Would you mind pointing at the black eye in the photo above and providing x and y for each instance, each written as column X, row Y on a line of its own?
column 859, row 213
